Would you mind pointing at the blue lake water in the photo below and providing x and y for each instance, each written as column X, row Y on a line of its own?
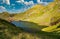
column 30, row 26
column 24, row 24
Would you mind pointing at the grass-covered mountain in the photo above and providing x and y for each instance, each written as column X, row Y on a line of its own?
column 40, row 14
column 10, row 31
column 6, row 16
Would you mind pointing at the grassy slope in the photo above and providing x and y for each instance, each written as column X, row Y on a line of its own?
column 10, row 31
column 4, row 15
column 52, row 28
column 30, row 13
column 40, row 14
column 55, row 18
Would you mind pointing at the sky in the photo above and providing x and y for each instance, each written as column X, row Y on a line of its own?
column 16, row 6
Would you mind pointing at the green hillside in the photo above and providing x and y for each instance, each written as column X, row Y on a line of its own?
column 52, row 28
column 10, row 31
column 42, row 15
column 6, row 16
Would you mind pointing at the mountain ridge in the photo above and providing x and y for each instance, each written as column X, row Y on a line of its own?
column 40, row 14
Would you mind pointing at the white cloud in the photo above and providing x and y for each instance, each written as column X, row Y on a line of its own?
column 38, row 1
column 20, row 1
column 2, row 9
column 6, row 1
column 3, row 1
column 29, row 3
column 25, row 2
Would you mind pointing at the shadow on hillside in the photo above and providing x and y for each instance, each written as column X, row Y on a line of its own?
column 55, row 22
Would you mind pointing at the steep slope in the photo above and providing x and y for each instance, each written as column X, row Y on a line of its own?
column 8, row 30
column 4, row 15
column 42, row 15
column 52, row 28
column 33, row 12
column 52, row 15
